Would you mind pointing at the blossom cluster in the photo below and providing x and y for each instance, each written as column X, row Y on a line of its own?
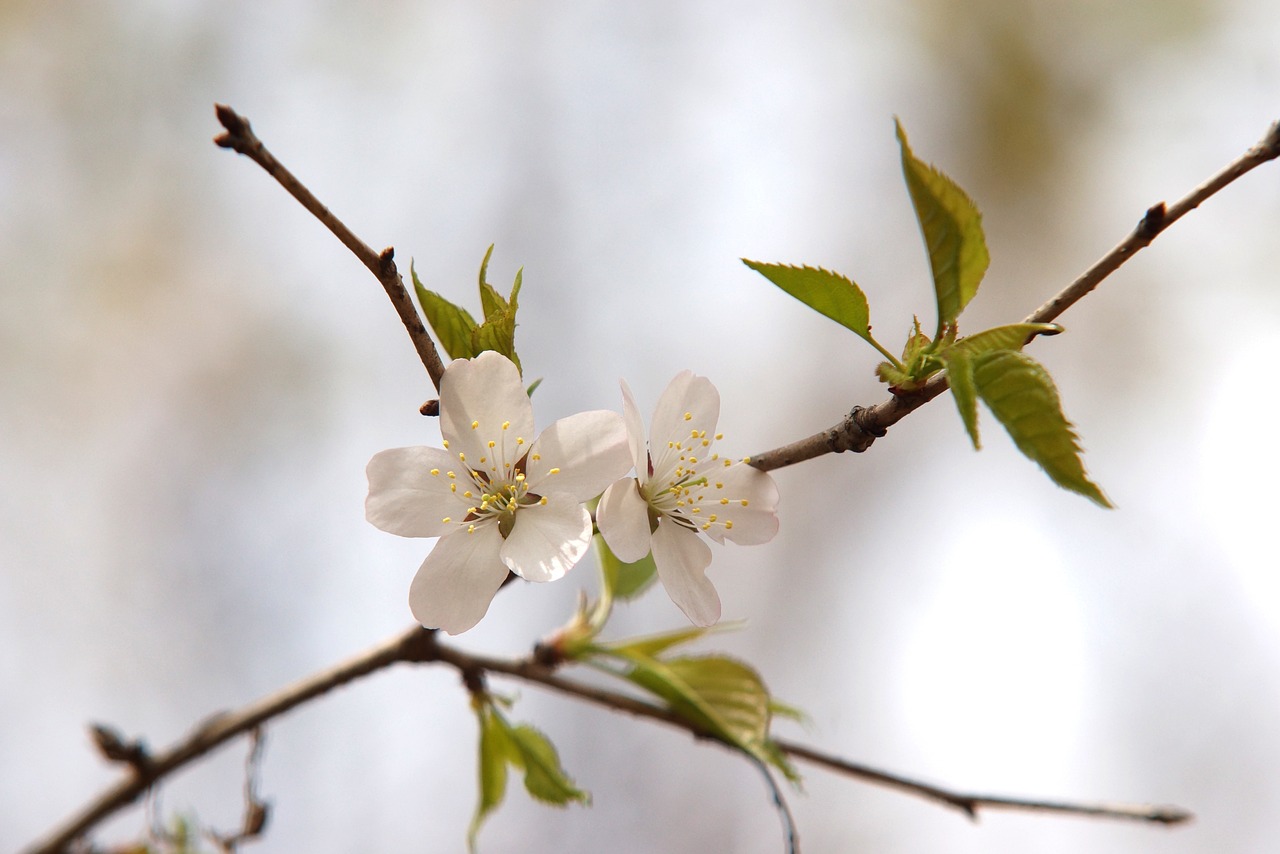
column 502, row 501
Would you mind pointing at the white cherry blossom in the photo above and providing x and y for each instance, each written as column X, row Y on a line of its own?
column 684, row 490
column 497, row 500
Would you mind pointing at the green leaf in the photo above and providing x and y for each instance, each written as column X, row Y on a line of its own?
column 496, row 751
column 965, row 392
column 830, row 294
column 543, row 777
column 1022, row 396
column 1011, row 337
column 490, row 301
column 952, row 229
column 498, row 332
column 452, row 325
column 654, row 645
column 625, row 580
column 723, row 697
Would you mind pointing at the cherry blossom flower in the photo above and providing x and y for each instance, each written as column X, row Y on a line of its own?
column 496, row 500
column 684, row 490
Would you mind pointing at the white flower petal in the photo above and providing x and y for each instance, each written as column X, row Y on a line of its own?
column 406, row 499
column 687, row 395
column 682, row 559
column 579, row 455
column 623, row 517
column 754, row 522
column 636, row 436
column 457, row 581
column 548, row 539
column 485, row 391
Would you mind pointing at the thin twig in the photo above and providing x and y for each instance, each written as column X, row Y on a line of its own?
column 864, row 425
column 240, row 137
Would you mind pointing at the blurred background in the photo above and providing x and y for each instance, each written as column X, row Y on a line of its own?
column 193, row 374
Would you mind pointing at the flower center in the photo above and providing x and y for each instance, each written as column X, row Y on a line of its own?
column 499, row 488
column 685, row 489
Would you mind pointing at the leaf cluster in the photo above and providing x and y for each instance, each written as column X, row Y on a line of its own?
column 459, row 334
column 988, row 366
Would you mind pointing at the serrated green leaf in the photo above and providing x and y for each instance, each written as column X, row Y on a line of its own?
column 952, row 230
column 830, row 294
column 965, row 392
column 892, row 375
column 544, row 779
column 497, row 334
column 625, row 580
column 1010, row 337
column 490, row 301
column 1022, row 396
column 721, row 696
column 452, row 325
column 495, row 752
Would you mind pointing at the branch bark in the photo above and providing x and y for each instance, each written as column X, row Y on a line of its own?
column 863, row 425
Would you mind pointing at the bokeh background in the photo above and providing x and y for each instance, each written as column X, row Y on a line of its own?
column 193, row 374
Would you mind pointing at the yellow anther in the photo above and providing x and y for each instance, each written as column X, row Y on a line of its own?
column 435, row 472
column 492, row 444
column 728, row 463
column 468, row 494
column 451, row 474
column 483, row 459
column 713, row 517
column 706, row 443
column 728, row 523
column 453, row 487
column 553, row 471
column 706, row 526
column 446, row 444
column 724, row 501
column 719, row 436
column 688, row 416
column 475, row 424
column 537, row 457
column 520, row 478
column 506, row 424
column 746, row 461
column 519, row 440
column 696, row 510
column 471, row 529
column 462, row 457
column 542, row 500
column 719, row 485
column 447, row 519
column 744, row 502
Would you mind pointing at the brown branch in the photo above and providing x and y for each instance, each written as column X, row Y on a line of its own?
column 239, row 137
column 222, row 727
column 864, row 425
column 419, row 645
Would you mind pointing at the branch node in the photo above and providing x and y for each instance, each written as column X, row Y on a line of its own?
column 856, row 432
column 1152, row 221
column 387, row 263
column 114, row 747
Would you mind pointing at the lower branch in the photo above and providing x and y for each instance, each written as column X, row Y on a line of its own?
column 419, row 645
